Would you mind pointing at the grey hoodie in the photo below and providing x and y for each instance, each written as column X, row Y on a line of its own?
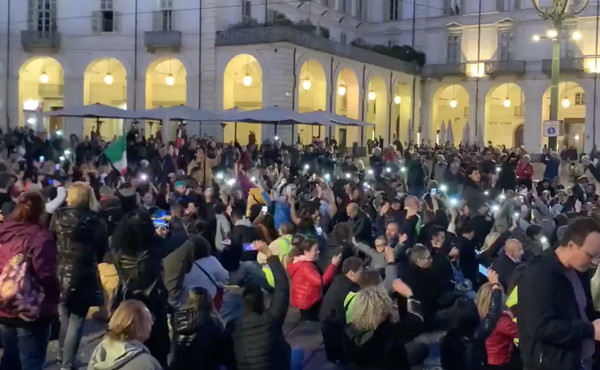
column 122, row 355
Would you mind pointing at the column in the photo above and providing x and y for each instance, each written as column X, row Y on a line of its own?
column 209, row 65
column 136, row 97
column 278, row 86
column 73, row 96
column 14, row 107
column 590, row 106
column 192, row 83
column 425, row 111
column 534, row 92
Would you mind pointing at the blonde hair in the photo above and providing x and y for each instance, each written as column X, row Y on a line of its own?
column 372, row 306
column 483, row 300
column 81, row 194
column 127, row 320
column 489, row 240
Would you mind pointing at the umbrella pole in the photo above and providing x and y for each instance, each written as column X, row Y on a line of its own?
column 235, row 131
column 98, row 127
column 275, row 128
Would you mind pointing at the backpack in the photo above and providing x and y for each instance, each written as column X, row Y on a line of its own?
column 21, row 294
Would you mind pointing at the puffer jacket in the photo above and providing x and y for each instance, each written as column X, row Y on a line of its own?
column 256, row 338
column 81, row 240
column 42, row 249
column 307, row 283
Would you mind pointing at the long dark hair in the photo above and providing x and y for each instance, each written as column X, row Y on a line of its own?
column 134, row 233
column 201, row 308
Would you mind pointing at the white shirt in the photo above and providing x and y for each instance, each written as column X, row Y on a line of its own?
column 197, row 278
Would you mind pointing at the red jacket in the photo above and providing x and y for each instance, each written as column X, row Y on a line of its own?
column 499, row 344
column 307, row 283
column 524, row 171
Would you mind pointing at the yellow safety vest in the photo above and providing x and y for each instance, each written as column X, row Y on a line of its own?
column 285, row 246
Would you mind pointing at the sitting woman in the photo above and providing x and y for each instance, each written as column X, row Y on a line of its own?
column 306, row 279
column 463, row 347
column 374, row 340
column 198, row 333
column 122, row 348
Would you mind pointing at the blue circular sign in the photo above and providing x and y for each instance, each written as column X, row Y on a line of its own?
column 551, row 130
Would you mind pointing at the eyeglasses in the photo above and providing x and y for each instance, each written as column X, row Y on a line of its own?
column 594, row 259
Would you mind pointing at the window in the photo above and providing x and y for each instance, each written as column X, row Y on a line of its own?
column 106, row 19
column 580, row 98
column 505, row 43
column 453, row 7
column 395, row 10
column 454, row 55
column 42, row 15
column 163, row 18
column 246, row 10
column 361, row 10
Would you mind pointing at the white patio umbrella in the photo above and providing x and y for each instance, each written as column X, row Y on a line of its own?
column 450, row 133
column 177, row 113
column 275, row 115
column 443, row 133
column 330, row 119
column 478, row 138
column 467, row 134
column 92, row 111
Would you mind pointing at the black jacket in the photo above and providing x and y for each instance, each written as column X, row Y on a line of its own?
column 383, row 348
column 81, row 240
column 505, row 266
column 425, row 286
column 551, row 330
column 463, row 350
column 199, row 342
column 257, row 339
column 362, row 228
column 473, row 196
column 468, row 258
column 332, row 308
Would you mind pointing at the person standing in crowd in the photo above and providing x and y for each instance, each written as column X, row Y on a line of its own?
column 256, row 340
column 524, row 172
column 557, row 323
column 122, row 348
column 25, row 330
column 82, row 241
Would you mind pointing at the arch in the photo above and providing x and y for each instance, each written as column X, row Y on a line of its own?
column 242, row 89
column 571, row 110
column 519, row 135
column 504, row 112
column 41, row 84
column 105, row 82
column 450, row 103
column 312, row 95
column 347, row 103
column 166, row 86
column 376, row 107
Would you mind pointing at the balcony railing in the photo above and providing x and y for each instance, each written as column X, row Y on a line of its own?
column 567, row 65
column 40, row 40
column 509, row 67
column 272, row 34
column 440, row 71
column 168, row 40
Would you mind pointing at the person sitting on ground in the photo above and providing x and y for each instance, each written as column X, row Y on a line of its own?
column 122, row 348
column 307, row 282
column 256, row 339
column 501, row 350
column 375, row 340
column 463, row 347
column 332, row 315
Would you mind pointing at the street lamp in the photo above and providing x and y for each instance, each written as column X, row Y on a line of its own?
column 557, row 13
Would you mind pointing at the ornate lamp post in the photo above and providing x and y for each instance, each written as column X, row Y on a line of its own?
column 557, row 13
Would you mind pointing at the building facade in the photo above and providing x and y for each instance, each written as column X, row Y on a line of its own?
column 482, row 71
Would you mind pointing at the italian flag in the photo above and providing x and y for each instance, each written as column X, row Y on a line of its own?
column 116, row 153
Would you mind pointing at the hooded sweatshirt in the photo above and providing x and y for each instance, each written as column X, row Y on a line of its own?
column 113, row 354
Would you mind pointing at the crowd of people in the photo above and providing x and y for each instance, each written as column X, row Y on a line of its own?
column 199, row 252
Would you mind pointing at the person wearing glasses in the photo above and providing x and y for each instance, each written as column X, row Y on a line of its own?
column 556, row 319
